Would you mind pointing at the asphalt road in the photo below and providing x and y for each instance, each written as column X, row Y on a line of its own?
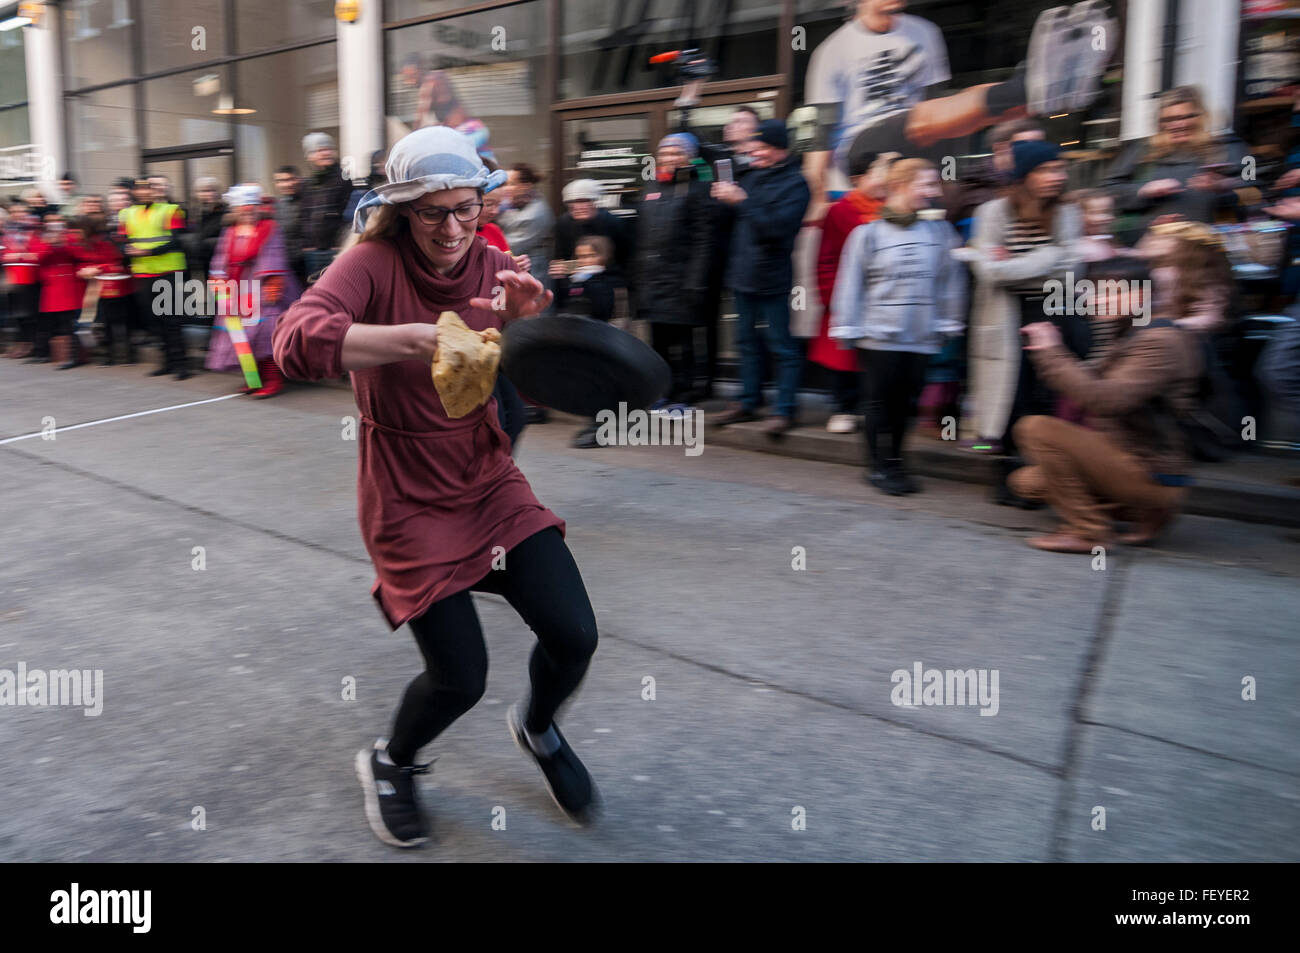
column 772, row 734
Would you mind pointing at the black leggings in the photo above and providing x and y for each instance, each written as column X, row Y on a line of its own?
column 894, row 382
column 542, row 583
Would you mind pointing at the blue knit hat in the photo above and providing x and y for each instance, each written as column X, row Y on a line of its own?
column 684, row 141
column 774, row 133
column 1029, row 154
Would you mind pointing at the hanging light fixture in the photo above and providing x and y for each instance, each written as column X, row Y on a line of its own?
column 226, row 107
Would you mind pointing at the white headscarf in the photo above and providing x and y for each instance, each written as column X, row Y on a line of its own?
column 428, row 160
column 241, row 195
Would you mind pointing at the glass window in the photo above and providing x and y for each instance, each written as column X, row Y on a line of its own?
column 482, row 74
column 97, row 40
column 981, row 50
column 606, row 47
column 294, row 93
column 260, row 25
column 178, row 110
column 395, row 10
column 102, row 130
column 614, row 151
column 181, row 32
column 13, row 68
column 19, row 163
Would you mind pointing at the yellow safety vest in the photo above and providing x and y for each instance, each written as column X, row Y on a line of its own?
column 150, row 227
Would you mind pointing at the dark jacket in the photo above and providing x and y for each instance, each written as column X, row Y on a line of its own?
column 568, row 231
column 767, row 223
column 207, row 230
column 288, row 215
column 593, row 298
column 1132, row 169
column 324, row 197
column 674, row 247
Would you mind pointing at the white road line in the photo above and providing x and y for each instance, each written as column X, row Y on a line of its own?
column 109, row 420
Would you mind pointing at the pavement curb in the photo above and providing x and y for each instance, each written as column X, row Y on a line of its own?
column 1242, row 500
column 1211, row 495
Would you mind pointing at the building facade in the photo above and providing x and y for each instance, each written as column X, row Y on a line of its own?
column 228, row 88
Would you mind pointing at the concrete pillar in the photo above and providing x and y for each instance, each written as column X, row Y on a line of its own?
column 361, row 88
column 45, row 99
column 1207, row 54
column 1143, row 56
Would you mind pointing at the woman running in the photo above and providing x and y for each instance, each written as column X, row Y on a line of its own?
column 443, row 509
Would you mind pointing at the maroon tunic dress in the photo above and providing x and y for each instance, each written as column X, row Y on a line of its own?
column 435, row 496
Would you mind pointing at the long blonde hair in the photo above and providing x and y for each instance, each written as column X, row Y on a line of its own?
column 1202, row 140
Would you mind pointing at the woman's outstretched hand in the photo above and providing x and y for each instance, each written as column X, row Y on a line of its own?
column 516, row 296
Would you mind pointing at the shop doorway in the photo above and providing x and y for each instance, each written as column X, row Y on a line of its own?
column 185, row 166
column 614, row 144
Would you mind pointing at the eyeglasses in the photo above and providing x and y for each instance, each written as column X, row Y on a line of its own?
column 436, row 215
column 1185, row 117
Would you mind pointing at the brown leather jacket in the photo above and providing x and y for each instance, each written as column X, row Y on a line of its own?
column 1134, row 394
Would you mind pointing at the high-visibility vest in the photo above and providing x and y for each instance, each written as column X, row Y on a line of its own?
column 144, row 224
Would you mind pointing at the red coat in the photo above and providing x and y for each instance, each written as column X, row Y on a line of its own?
column 20, row 257
column 494, row 236
column 843, row 217
column 114, row 274
column 61, row 289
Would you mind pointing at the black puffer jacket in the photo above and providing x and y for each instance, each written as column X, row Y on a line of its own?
column 324, row 197
column 674, row 249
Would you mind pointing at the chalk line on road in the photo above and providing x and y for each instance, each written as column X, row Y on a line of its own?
column 109, row 420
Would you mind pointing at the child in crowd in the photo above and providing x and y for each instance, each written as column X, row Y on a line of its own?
column 588, row 290
column 1191, row 274
column 898, row 296
column 115, row 313
column 858, row 206
column 1098, row 210
column 61, row 254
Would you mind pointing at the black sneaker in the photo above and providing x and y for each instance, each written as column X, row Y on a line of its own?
column 888, row 480
column 391, row 806
column 908, row 482
column 567, row 780
column 586, row 439
column 159, row 372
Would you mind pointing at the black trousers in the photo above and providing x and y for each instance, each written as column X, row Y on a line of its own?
column 542, row 583
column 846, row 390
column 675, row 343
column 166, row 325
column 117, row 317
column 894, row 382
column 23, row 300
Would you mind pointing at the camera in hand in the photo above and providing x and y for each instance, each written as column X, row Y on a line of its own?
column 691, row 64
